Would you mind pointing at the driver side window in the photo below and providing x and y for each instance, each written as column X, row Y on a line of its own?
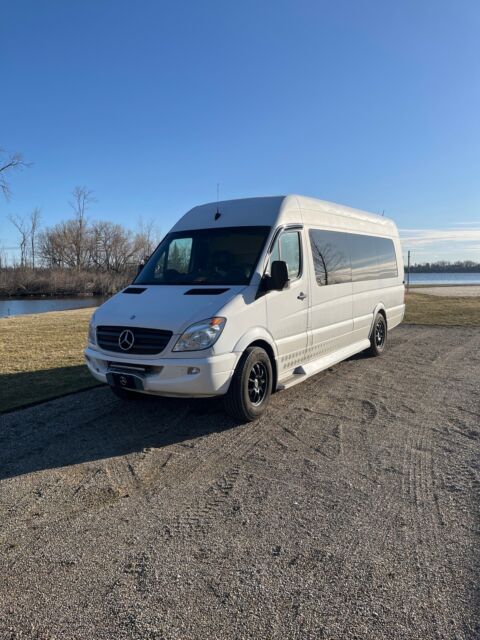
column 288, row 248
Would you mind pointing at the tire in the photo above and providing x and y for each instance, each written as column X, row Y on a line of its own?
column 126, row 394
column 246, row 399
column 378, row 337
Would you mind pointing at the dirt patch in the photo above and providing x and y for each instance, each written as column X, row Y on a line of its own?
column 350, row 510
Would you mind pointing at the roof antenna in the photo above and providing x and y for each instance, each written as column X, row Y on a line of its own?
column 218, row 214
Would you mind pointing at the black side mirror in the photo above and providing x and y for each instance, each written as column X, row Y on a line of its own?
column 278, row 275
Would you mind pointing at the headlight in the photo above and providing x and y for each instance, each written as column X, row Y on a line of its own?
column 92, row 338
column 200, row 335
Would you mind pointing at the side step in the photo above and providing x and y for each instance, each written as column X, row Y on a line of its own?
column 304, row 371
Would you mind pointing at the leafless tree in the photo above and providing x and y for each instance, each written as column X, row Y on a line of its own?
column 147, row 237
column 113, row 248
column 23, row 228
column 82, row 199
column 8, row 164
column 34, row 225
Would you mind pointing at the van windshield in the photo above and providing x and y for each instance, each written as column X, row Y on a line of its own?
column 225, row 255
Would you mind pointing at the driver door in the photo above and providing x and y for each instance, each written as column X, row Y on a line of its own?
column 288, row 310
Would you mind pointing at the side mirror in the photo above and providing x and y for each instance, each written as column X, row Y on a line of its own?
column 278, row 276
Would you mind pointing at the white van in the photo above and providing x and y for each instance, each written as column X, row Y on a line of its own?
column 246, row 297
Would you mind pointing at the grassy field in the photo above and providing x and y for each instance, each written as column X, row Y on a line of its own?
column 41, row 355
column 439, row 310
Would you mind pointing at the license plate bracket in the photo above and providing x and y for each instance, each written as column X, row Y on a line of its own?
column 124, row 380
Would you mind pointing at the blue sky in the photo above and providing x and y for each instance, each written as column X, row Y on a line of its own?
column 374, row 104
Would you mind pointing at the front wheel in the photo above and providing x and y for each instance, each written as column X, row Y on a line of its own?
column 378, row 337
column 251, row 385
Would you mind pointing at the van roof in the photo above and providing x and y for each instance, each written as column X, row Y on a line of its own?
column 277, row 210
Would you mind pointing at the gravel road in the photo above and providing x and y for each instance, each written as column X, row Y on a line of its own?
column 350, row 510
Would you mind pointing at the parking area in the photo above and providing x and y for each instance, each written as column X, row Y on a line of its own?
column 349, row 510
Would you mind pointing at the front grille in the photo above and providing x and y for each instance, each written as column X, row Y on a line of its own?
column 146, row 341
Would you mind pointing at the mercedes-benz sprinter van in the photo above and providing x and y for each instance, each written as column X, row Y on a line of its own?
column 246, row 297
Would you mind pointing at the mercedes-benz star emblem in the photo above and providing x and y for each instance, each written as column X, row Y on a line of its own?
column 126, row 340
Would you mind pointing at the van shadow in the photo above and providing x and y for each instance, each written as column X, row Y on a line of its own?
column 30, row 387
column 95, row 425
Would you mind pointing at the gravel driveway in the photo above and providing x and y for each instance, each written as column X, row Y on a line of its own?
column 350, row 510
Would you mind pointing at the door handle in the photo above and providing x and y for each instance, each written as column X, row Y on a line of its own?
column 301, row 296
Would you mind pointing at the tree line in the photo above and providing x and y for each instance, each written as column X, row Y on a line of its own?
column 79, row 243
column 443, row 266
column 78, row 255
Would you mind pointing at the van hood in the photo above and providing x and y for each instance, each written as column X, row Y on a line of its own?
column 169, row 307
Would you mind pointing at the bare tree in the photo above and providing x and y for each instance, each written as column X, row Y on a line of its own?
column 34, row 224
column 113, row 247
column 8, row 164
column 82, row 199
column 23, row 229
column 147, row 237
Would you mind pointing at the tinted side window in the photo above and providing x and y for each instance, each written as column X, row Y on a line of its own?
column 331, row 256
column 387, row 259
column 363, row 255
column 372, row 258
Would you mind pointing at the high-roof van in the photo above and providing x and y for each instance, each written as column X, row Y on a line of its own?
column 246, row 297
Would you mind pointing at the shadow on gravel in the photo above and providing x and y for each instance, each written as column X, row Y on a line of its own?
column 99, row 427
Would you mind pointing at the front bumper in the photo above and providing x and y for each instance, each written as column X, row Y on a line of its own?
column 171, row 376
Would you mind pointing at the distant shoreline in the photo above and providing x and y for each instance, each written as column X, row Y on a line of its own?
column 50, row 296
column 416, row 285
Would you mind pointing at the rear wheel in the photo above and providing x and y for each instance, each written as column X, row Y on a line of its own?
column 251, row 386
column 126, row 394
column 378, row 337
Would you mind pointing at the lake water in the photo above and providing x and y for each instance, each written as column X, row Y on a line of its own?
column 22, row 306
column 444, row 278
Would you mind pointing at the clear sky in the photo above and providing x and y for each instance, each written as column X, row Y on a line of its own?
column 374, row 104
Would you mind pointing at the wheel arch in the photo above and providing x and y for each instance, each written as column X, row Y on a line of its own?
column 261, row 338
column 267, row 347
column 380, row 308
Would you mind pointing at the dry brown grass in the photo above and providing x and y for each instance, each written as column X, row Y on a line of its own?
column 41, row 356
column 440, row 310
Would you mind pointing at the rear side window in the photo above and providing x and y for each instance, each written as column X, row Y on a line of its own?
column 345, row 257
column 372, row 258
column 363, row 256
column 387, row 258
column 331, row 256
